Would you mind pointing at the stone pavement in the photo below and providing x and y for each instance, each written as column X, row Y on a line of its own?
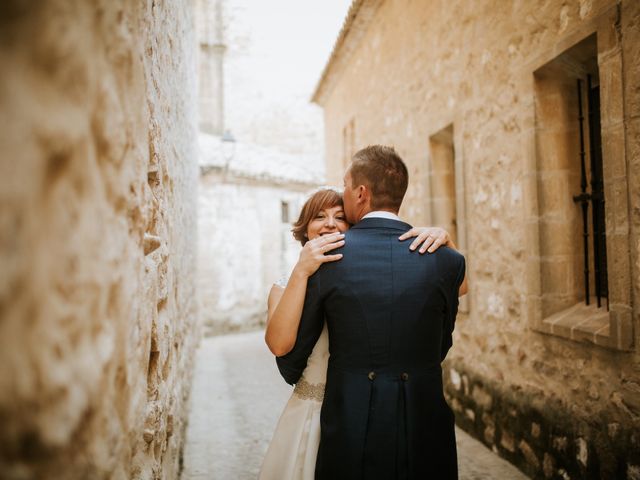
column 236, row 400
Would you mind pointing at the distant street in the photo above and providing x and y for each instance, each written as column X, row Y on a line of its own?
column 236, row 400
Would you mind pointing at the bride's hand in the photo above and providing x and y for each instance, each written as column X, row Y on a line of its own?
column 313, row 253
column 431, row 238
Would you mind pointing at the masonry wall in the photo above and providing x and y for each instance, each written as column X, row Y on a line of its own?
column 98, row 179
column 556, row 407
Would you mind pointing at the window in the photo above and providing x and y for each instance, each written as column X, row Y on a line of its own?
column 581, row 202
column 446, row 191
column 443, row 181
column 284, row 211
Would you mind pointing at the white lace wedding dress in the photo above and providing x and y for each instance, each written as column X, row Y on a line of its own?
column 294, row 446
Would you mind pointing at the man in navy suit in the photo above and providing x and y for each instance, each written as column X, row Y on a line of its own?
column 390, row 313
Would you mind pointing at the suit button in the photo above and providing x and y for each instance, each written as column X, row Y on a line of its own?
column 404, row 376
column 371, row 375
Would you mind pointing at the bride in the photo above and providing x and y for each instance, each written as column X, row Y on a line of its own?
column 320, row 229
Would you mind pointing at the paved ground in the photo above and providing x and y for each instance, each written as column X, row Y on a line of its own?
column 236, row 400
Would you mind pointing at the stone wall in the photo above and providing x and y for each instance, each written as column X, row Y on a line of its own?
column 561, row 400
column 98, row 180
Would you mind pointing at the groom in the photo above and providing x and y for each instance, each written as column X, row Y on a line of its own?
column 390, row 314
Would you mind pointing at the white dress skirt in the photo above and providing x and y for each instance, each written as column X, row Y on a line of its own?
column 293, row 449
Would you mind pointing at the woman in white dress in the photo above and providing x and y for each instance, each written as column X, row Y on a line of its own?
column 292, row 452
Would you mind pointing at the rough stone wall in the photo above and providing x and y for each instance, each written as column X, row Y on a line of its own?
column 98, row 179
column 555, row 407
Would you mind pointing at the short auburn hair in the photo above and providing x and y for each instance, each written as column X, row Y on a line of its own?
column 325, row 197
column 380, row 169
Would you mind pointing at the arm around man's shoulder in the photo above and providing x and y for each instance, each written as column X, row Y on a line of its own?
column 293, row 363
column 453, row 268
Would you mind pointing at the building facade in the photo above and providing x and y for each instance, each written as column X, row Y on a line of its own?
column 246, row 207
column 519, row 124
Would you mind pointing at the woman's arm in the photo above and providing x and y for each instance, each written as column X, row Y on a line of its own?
column 285, row 304
column 432, row 238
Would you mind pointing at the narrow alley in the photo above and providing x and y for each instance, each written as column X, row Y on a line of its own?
column 156, row 157
column 236, row 400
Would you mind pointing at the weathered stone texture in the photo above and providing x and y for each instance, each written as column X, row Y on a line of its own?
column 421, row 67
column 98, row 181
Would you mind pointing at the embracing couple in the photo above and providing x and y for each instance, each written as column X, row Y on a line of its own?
column 361, row 328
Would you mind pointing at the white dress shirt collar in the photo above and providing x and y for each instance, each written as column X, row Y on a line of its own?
column 381, row 214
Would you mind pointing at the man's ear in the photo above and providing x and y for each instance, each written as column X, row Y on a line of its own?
column 363, row 194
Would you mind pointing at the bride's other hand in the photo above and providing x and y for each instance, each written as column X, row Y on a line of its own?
column 428, row 238
column 313, row 255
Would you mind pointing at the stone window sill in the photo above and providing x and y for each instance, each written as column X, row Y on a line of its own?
column 584, row 323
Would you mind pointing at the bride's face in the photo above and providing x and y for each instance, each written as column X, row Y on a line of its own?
column 328, row 220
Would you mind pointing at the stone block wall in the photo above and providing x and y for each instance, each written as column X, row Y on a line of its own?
column 98, row 180
column 559, row 403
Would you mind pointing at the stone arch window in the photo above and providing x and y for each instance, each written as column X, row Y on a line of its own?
column 564, row 180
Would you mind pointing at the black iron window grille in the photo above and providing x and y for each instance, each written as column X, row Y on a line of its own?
column 593, row 198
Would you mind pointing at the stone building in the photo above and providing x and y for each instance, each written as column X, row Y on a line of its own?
column 261, row 152
column 519, row 124
column 98, row 173
column 245, row 211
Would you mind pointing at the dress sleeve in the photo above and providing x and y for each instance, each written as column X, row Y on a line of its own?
column 453, row 279
column 293, row 363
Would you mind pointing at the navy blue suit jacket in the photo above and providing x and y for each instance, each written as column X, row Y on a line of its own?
column 390, row 314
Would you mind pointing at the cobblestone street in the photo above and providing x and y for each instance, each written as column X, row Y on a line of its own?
column 236, row 400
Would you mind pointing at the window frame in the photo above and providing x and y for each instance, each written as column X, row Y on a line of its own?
column 613, row 329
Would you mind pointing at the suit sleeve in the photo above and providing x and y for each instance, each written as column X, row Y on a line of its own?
column 293, row 363
column 451, row 287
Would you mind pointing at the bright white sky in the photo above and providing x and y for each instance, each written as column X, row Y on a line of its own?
column 297, row 36
column 276, row 52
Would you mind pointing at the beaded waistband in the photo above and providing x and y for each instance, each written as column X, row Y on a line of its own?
column 309, row 391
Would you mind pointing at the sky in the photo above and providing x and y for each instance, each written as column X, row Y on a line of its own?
column 297, row 36
column 276, row 51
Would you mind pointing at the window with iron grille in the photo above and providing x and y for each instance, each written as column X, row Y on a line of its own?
column 582, row 213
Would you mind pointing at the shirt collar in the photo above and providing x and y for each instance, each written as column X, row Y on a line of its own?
column 381, row 214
